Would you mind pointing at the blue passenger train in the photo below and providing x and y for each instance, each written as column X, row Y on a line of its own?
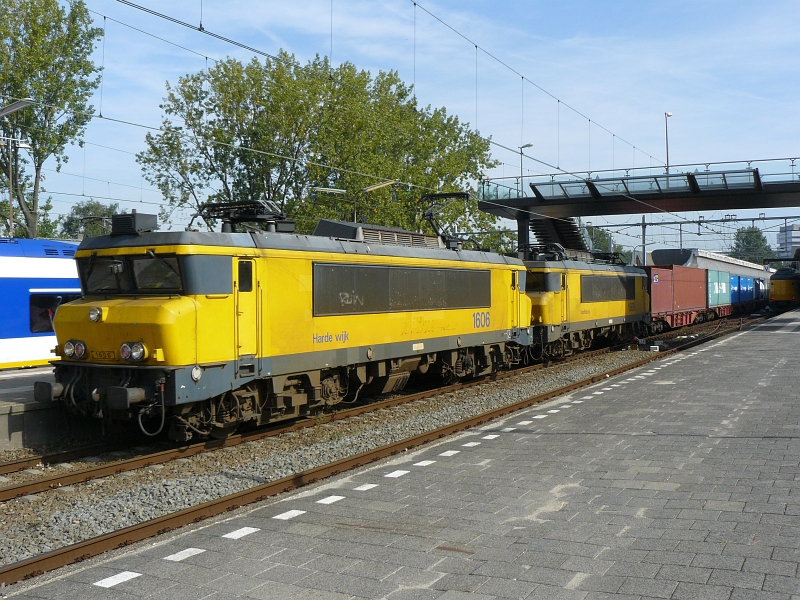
column 36, row 277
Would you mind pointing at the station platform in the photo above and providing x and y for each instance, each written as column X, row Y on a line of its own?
column 23, row 421
column 26, row 423
column 680, row 479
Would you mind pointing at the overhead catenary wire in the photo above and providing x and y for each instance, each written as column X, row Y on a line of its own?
column 329, row 166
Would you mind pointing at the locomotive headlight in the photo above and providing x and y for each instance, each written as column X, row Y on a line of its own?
column 95, row 314
column 133, row 351
column 80, row 350
column 69, row 349
column 137, row 351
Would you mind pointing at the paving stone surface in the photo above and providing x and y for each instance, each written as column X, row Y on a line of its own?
column 681, row 480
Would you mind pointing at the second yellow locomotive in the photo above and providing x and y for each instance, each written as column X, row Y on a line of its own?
column 576, row 304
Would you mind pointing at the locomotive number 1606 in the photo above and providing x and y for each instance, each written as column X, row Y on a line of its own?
column 480, row 320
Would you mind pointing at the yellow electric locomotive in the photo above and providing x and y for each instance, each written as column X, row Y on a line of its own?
column 575, row 303
column 201, row 332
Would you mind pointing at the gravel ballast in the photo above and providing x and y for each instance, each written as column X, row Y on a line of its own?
column 36, row 524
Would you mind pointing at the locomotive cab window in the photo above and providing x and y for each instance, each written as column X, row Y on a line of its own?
column 157, row 273
column 146, row 274
column 43, row 309
column 245, row 275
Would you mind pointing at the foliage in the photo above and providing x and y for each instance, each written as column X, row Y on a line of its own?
column 44, row 55
column 276, row 130
column 87, row 219
column 749, row 243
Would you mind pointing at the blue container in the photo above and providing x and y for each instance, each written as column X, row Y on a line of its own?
column 735, row 289
column 747, row 289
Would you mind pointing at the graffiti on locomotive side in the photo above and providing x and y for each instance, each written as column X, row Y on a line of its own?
column 351, row 298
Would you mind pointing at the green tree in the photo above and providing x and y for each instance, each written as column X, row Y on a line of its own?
column 44, row 54
column 87, row 219
column 600, row 239
column 749, row 243
column 276, row 130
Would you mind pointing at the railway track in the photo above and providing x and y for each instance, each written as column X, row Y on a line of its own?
column 116, row 465
column 110, row 541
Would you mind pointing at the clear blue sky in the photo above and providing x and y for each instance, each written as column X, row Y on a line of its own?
column 728, row 71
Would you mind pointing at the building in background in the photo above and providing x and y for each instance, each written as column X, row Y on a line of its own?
column 788, row 240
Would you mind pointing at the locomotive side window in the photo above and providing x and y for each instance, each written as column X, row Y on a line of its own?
column 43, row 309
column 599, row 288
column 363, row 289
column 246, row 276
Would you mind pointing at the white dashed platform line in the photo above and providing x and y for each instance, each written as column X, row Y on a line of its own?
column 614, row 385
column 330, row 499
column 490, row 437
column 116, row 579
column 240, row 533
column 565, row 406
column 471, row 444
column 554, row 411
column 577, row 401
column 396, row 474
column 540, row 417
column 608, row 389
column 366, row 486
column 424, row 463
column 587, row 398
column 179, row 556
column 598, row 393
column 507, row 429
column 291, row 514
column 524, row 422
column 450, row 453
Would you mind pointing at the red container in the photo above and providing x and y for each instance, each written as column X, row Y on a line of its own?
column 660, row 290
column 689, row 288
column 677, row 294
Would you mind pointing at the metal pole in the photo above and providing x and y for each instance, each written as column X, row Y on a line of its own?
column 10, row 192
column 644, row 242
column 521, row 189
column 680, row 230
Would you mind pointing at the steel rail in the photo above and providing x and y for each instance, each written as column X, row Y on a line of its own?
column 80, row 551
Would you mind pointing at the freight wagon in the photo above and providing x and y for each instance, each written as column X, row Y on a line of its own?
column 685, row 295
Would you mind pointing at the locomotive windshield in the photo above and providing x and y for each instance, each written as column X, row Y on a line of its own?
column 149, row 274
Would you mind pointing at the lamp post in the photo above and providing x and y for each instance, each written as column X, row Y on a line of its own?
column 7, row 110
column 667, row 115
column 521, row 148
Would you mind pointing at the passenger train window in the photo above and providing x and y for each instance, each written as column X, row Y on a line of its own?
column 43, row 309
column 246, row 276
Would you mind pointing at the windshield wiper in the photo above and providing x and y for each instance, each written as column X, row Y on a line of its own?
column 163, row 261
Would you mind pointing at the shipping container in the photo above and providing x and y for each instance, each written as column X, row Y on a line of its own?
column 734, row 289
column 660, row 290
column 677, row 294
column 747, row 289
column 719, row 290
column 689, row 288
